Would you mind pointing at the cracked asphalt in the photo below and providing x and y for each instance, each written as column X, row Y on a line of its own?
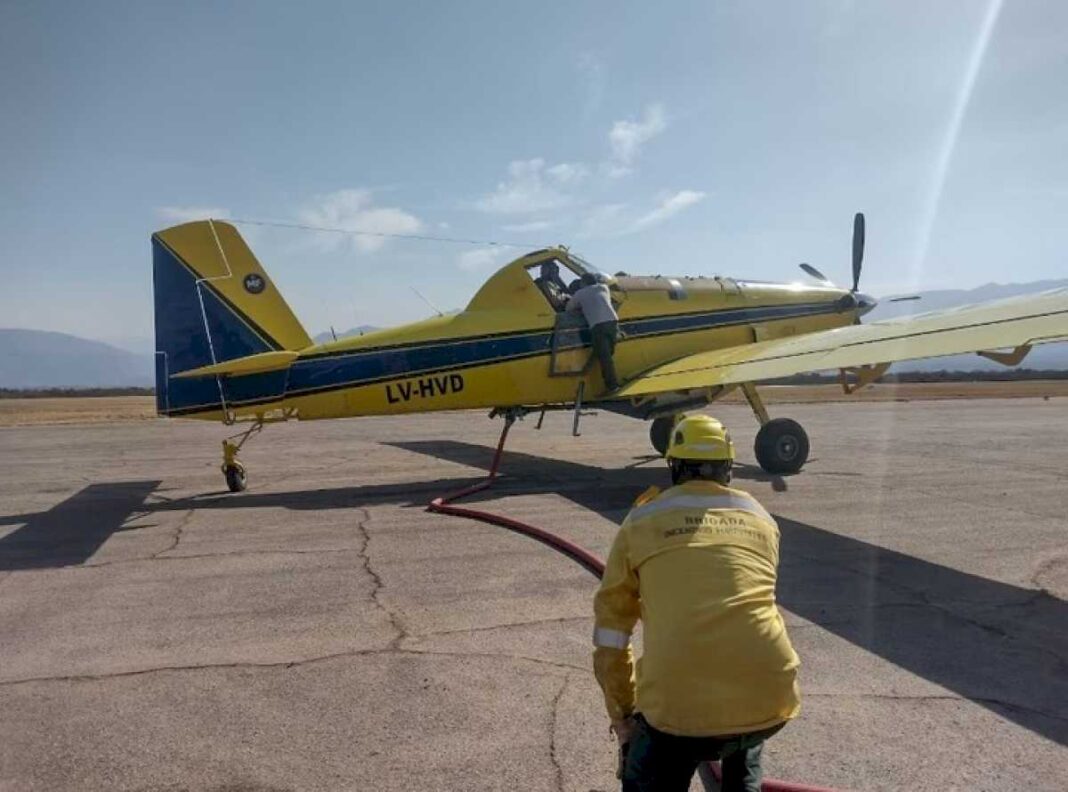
column 322, row 631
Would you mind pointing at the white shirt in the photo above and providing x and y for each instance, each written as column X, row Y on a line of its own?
column 595, row 303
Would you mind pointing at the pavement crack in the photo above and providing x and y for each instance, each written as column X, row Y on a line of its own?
column 554, row 713
column 1043, row 568
column 494, row 656
column 952, row 608
column 286, row 664
column 182, row 523
column 376, row 593
column 282, row 664
column 226, row 554
column 504, row 626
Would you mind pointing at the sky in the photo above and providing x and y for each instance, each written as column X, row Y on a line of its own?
column 679, row 138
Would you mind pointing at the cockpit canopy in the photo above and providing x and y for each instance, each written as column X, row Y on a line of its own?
column 537, row 282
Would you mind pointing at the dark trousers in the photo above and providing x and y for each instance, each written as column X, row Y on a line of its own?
column 660, row 762
column 603, row 337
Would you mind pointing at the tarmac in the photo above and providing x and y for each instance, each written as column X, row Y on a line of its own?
column 322, row 631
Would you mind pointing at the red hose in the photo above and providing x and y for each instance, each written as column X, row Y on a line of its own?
column 443, row 505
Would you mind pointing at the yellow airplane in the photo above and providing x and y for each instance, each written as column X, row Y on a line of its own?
column 229, row 348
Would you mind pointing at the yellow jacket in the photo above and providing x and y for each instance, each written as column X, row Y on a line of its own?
column 698, row 566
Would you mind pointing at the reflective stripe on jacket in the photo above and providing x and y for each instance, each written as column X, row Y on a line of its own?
column 698, row 565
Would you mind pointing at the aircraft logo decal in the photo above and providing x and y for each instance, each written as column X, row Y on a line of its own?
column 254, row 284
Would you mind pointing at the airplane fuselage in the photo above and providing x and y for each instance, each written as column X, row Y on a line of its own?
column 498, row 352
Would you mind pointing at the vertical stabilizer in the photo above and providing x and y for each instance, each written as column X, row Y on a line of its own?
column 214, row 303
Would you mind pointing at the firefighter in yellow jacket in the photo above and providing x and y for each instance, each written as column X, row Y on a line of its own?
column 717, row 676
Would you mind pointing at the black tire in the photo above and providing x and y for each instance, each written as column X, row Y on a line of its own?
column 235, row 478
column 781, row 446
column 660, row 433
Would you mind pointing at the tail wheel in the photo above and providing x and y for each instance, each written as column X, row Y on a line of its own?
column 235, row 478
column 781, row 446
column 660, row 433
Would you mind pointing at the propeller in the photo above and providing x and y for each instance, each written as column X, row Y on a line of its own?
column 858, row 256
column 815, row 273
column 858, row 248
column 863, row 303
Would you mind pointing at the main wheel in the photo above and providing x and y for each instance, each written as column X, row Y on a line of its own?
column 660, row 433
column 781, row 446
column 235, row 478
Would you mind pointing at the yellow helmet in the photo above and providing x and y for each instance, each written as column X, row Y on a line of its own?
column 700, row 437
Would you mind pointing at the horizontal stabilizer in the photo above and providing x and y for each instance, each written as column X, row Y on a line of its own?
column 251, row 364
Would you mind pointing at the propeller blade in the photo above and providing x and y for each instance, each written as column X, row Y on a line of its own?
column 815, row 273
column 906, row 299
column 858, row 247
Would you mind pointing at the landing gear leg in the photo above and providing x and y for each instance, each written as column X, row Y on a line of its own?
column 781, row 444
column 233, row 470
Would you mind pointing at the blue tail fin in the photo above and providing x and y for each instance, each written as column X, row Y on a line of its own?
column 215, row 303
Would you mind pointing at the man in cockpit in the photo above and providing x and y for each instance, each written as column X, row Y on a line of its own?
column 552, row 285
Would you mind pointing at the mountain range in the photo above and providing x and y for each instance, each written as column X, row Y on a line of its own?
column 45, row 359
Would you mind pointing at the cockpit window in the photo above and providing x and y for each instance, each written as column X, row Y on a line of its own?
column 556, row 279
column 581, row 265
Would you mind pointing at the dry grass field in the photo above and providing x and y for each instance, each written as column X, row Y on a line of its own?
column 120, row 409
column 76, row 410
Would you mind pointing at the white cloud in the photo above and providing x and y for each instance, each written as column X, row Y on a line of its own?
column 611, row 220
column 187, row 214
column 538, row 190
column 567, row 172
column 527, row 190
column 352, row 210
column 479, row 259
column 626, row 138
column 669, row 206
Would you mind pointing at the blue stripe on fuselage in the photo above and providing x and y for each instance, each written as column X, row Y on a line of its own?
column 367, row 366
column 658, row 325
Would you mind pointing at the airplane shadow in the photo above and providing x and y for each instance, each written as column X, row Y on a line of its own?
column 998, row 645
column 72, row 530
column 519, row 473
column 408, row 495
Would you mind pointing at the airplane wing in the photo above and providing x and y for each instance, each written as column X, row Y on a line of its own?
column 1017, row 322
